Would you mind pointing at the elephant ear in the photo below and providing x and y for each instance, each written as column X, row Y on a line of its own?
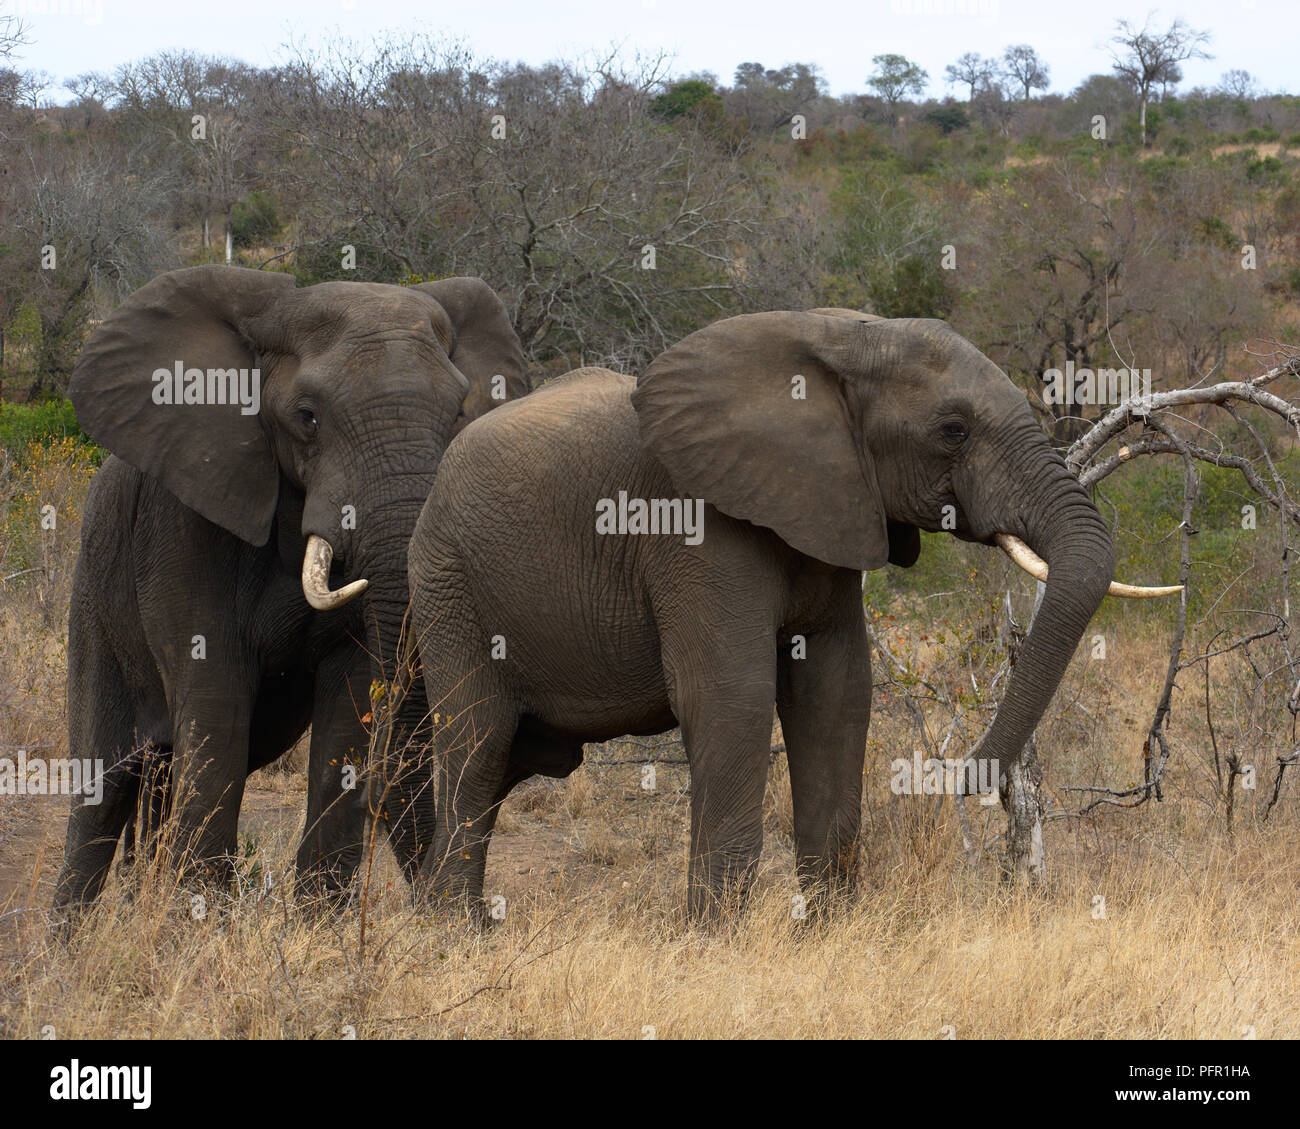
column 215, row 457
column 484, row 344
column 750, row 414
column 904, row 539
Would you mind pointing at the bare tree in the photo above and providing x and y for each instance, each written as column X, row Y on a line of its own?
column 1164, row 431
column 768, row 99
column 971, row 70
column 76, row 233
column 993, row 105
column 608, row 234
column 1058, row 253
column 1147, row 58
column 13, row 34
column 1239, row 84
column 1025, row 69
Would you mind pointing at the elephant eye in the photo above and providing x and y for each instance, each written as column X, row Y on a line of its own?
column 954, row 431
column 308, row 418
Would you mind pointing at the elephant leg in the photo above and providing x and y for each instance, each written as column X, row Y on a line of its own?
column 101, row 728
column 93, row 832
column 156, row 785
column 210, row 766
column 129, row 839
column 723, row 700
column 335, row 825
column 147, row 815
column 824, row 703
column 473, row 731
column 406, row 787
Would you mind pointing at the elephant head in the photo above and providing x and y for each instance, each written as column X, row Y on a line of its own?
column 248, row 397
column 847, row 434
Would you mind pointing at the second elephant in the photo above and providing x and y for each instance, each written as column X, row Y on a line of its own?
column 585, row 600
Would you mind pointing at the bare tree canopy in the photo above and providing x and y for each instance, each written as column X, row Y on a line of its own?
column 1150, row 58
column 971, row 70
column 1025, row 70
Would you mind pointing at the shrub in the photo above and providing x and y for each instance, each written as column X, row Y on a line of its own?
column 685, row 99
column 254, row 221
column 1216, row 231
column 25, row 426
column 1262, row 171
column 915, row 288
column 948, row 118
column 53, row 474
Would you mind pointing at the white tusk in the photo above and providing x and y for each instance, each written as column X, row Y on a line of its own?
column 316, row 577
column 1033, row 564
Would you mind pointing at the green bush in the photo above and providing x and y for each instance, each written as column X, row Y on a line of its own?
column 254, row 221
column 693, row 96
column 24, row 424
column 1262, row 171
column 948, row 118
column 1216, row 231
column 915, row 288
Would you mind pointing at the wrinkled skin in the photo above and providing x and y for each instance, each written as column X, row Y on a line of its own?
column 621, row 633
column 199, row 529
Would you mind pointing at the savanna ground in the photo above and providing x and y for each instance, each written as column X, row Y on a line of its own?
column 1164, row 921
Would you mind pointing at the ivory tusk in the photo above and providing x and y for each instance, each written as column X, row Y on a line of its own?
column 316, row 577
column 1033, row 564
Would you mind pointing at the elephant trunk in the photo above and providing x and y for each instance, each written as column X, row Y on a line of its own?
column 1068, row 532
column 401, row 787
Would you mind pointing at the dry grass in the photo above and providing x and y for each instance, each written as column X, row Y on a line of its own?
column 1194, row 942
column 1194, row 936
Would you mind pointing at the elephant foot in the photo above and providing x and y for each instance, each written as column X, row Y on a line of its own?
column 459, row 904
column 327, row 886
column 316, row 899
column 716, row 911
column 64, row 921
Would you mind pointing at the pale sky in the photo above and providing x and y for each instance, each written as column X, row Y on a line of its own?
column 1260, row 36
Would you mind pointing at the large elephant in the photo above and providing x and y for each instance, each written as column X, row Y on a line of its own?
column 265, row 437
column 586, row 600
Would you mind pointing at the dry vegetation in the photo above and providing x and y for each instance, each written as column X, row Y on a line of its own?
column 1195, row 937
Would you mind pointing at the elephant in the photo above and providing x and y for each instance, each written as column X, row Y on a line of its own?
column 268, row 441
column 687, row 548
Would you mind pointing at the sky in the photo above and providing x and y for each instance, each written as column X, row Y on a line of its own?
column 840, row 36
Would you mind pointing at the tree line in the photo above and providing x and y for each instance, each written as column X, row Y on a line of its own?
column 616, row 206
